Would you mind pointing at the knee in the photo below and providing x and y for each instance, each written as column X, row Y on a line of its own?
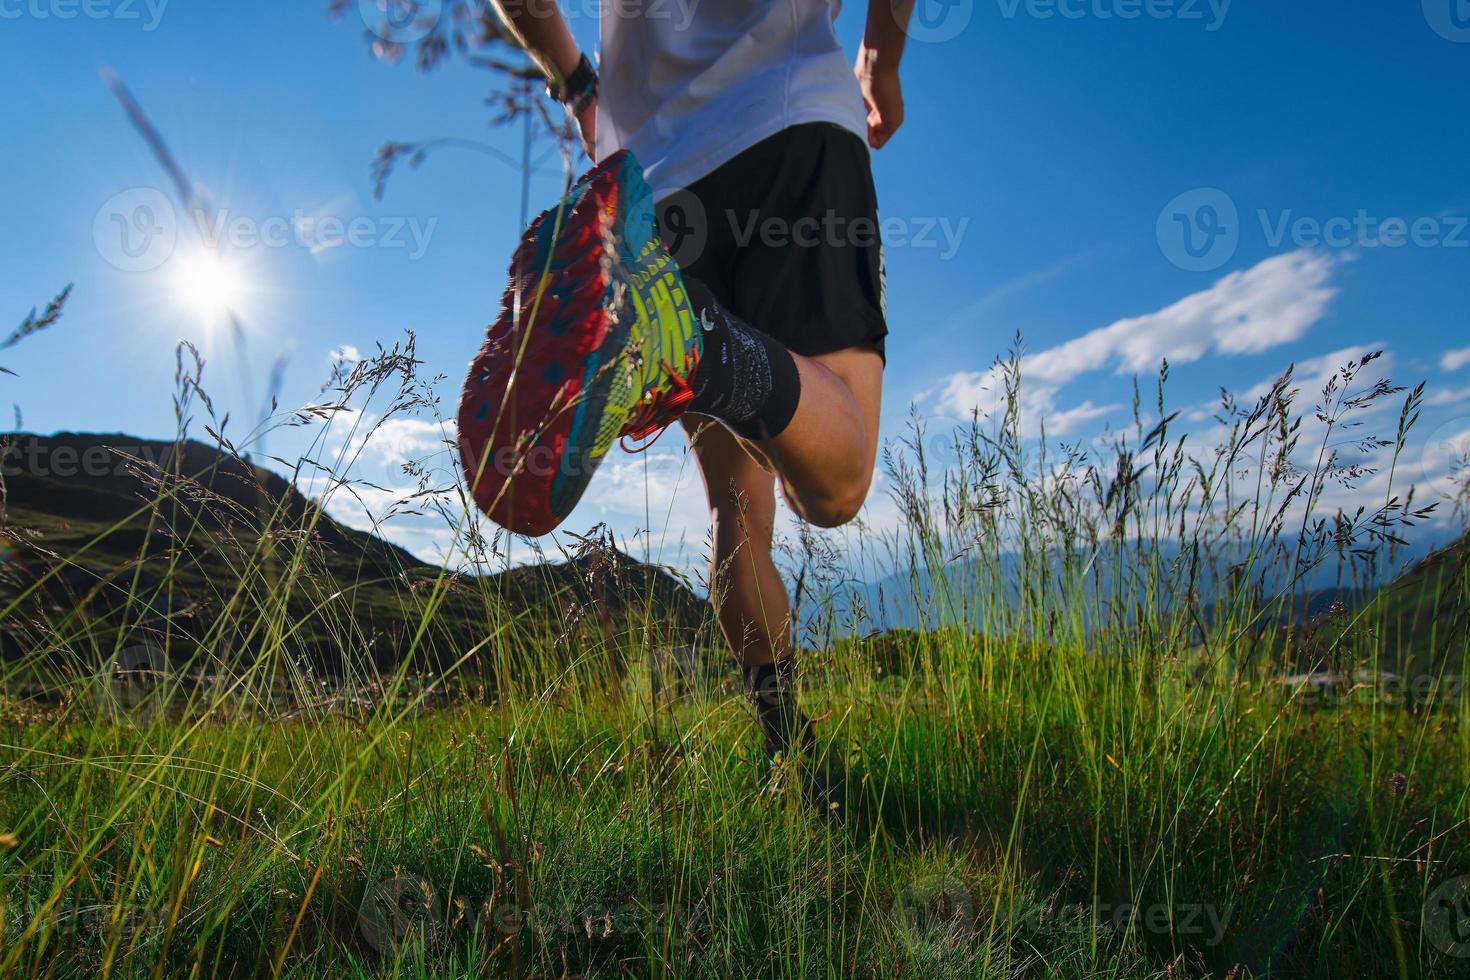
column 837, row 507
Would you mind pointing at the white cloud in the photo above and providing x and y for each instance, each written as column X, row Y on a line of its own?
column 1447, row 396
column 1443, row 460
column 657, row 492
column 967, row 391
column 1246, row 312
column 1311, row 375
column 1273, row 303
column 1065, row 421
column 375, row 448
column 1453, row 360
column 397, row 440
column 344, row 353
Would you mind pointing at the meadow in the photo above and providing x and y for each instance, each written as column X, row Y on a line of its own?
column 1125, row 733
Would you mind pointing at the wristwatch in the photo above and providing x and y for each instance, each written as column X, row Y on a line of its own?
column 578, row 90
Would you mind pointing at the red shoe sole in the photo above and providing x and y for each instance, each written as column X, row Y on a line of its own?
column 533, row 400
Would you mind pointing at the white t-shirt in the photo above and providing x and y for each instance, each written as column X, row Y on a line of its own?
column 688, row 84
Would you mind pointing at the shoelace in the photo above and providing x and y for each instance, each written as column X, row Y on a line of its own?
column 652, row 416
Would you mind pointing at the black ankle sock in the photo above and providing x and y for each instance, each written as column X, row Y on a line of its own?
column 745, row 379
column 772, row 688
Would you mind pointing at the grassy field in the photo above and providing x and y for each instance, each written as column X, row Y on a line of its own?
column 1086, row 763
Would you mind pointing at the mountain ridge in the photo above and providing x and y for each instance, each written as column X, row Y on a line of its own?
column 148, row 539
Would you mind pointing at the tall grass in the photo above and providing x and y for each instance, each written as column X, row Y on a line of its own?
column 1081, row 761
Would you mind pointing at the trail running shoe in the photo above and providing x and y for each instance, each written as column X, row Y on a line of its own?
column 596, row 339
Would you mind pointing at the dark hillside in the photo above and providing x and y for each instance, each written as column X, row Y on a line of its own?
column 113, row 541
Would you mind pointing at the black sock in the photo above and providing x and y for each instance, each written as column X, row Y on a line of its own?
column 773, row 689
column 745, row 379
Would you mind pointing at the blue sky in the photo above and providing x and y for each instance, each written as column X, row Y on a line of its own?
column 1056, row 155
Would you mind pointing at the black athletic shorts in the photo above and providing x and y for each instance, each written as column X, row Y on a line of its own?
column 786, row 235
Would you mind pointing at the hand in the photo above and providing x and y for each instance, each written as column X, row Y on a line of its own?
column 883, row 96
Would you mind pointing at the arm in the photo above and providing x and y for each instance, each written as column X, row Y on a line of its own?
column 877, row 67
column 542, row 30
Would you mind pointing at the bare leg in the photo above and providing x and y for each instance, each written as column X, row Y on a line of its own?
column 748, row 593
column 824, row 458
column 825, row 461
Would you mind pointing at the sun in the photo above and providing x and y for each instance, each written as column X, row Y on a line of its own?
column 206, row 284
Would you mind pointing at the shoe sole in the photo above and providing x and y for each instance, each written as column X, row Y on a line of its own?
column 546, row 388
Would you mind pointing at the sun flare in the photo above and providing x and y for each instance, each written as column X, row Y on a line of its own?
column 207, row 285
